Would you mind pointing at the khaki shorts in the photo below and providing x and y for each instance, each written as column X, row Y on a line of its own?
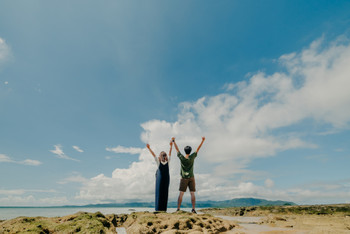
column 190, row 182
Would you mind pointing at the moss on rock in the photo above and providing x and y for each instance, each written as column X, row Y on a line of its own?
column 137, row 222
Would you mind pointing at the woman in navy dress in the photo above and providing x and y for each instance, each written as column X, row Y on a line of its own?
column 162, row 178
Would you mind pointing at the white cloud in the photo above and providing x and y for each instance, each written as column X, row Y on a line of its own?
column 12, row 192
column 5, row 51
column 74, row 178
column 23, row 191
column 60, row 154
column 15, row 200
column 229, row 86
column 30, row 162
column 128, row 150
column 298, row 195
column 32, row 197
column 249, row 122
column 77, row 148
column 58, row 150
column 4, row 158
column 134, row 183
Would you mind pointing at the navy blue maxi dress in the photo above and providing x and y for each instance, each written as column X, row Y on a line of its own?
column 162, row 187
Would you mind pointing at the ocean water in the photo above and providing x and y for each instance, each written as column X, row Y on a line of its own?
column 10, row 213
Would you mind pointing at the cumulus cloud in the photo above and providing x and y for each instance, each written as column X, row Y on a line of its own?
column 60, row 154
column 77, row 148
column 127, row 150
column 133, row 183
column 30, row 162
column 251, row 119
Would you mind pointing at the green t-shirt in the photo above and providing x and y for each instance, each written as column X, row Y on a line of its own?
column 187, row 165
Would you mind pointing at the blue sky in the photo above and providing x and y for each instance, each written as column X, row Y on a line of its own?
column 85, row 85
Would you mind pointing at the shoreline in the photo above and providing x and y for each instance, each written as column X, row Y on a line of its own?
column 291, row 219
column 11, row 213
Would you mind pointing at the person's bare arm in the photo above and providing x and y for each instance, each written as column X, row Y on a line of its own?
column 171, row 147
column 200, row 145
column 154, row 155
column 177, row 149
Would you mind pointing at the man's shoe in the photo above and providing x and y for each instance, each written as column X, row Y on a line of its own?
column 194, row 211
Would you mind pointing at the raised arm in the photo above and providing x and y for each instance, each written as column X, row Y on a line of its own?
column 177, row 149
column 154, row 155
column 171, row 147
column 200, row 145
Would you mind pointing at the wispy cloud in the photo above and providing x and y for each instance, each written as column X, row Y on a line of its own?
column 74, row 178
column 5, row 51
column 23, row 191
column 77, row 148
column 29, row 162
column 19, row 200
column 126, row 150
column 4, row 158
column 60, row 154
column 229, row 86
column 42, row 197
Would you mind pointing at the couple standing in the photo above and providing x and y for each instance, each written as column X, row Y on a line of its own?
column 163, row 177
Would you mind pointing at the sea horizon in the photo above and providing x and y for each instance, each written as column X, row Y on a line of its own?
column 14, row 212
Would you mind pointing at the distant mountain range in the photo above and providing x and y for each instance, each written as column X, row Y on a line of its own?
column 237, row 202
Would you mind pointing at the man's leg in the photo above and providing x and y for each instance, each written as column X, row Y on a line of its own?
column 193, row 200
column 192, row 186
column 179, row 200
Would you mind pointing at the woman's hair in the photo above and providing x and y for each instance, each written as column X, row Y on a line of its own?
column 162, row 155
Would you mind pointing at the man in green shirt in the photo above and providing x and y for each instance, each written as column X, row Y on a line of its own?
column 187, row 176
